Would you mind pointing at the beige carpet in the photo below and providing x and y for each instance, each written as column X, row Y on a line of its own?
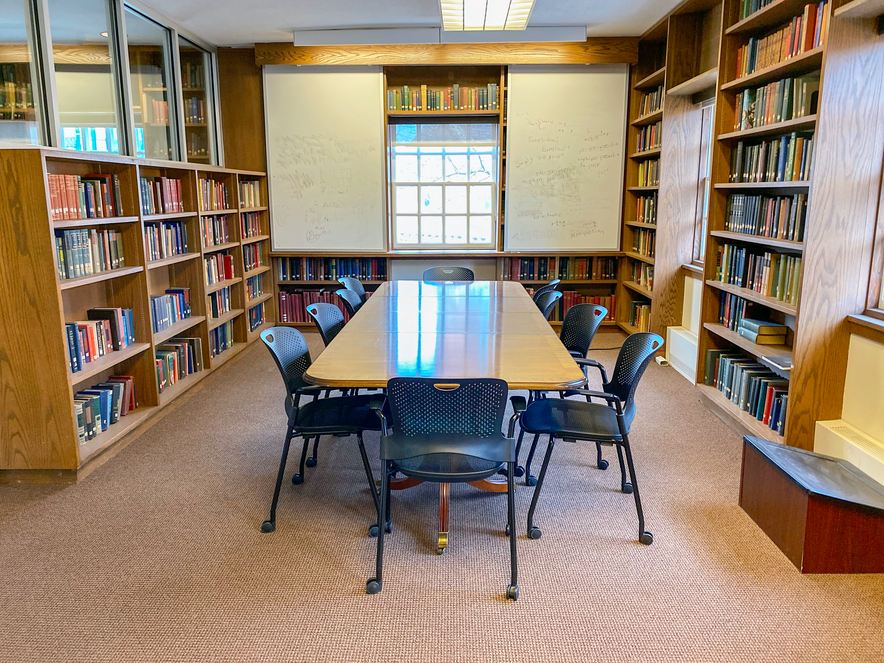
column 158, row 555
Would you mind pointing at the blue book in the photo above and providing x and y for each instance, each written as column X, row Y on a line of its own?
column 106, row 396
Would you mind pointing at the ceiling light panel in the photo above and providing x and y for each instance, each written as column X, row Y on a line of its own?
column 460, row 15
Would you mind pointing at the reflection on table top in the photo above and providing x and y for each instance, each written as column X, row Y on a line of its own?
column 463, row 330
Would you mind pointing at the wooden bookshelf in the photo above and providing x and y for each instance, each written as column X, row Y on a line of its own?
column 806, row 123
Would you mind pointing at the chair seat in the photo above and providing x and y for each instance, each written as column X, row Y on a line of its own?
column 572, row 420
column 343, row 414
column 448, row 458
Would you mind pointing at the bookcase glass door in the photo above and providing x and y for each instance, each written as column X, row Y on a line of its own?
column 19, row 119
column 198, row 96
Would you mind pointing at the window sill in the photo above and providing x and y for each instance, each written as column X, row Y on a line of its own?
column 867, row 326
column 693, row 270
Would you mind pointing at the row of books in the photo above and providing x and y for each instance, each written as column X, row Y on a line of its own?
column 564, row 268
column 192, row 75
column 455, row 97
column 102, row 405
column 251, row 224
column 651, row 102
column 252, row 256
column 176, row 359
column 573, row 298
column 215, row 230
column 646, row 209
column 165, row 239
column 221, row 338
column 160, row 195
column 770, row 274
column 95, row 196
column 194, row 110
column 212, row 195
column 293, row 304
column 88, row 251
column 197, row 144
column 762, row 332
column 104, row 331
column 783, row 159
column 331, row 269
column 250, row 193
column 170, row 308
column 803, row 33
column 256, row 316
column 649, row 137
column 220, row 302
column 783, row 100
column 156, row 112
column 254, row 287
column 749, row 385
column 219, row 267
column 732, row 309
column 640, row 315
column 15, row 93
column 749, row 7
column 643, row 274
column 644, row 242
column 778, row 217
column 648, row 173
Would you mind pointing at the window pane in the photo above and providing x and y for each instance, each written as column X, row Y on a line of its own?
column 431, row 230
column 406, row 229
column 481, row 168
column 19, row 121
column 405, row 168
column 480, row 199
column 455, row 230
column 406, row 199
column 149, row 47
column 199, row 99
column 455, row 199
column 431, row 168
column 480, row 229
column 456, row 168
column 84, row 72
column 431, row 200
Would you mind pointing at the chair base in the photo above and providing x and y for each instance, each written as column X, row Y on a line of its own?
column 512, row 592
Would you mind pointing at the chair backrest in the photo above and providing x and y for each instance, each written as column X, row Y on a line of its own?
column 289, row 349
column 328, row 319
column 635, row 355
column 352, row 301
column 582, row 321
column 547, row 302
column 449, row 274
column 552, row 285
column 426, row 406
column 355, row 285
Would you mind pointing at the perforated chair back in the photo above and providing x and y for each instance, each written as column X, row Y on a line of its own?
column 582, row 321
column 449, row 274
column 552, row 285
column 428, row 406
column 547, row 301
column 289, row 350
column 352, row 301
column 328, row 320
column 355, row 285
column 635, row 355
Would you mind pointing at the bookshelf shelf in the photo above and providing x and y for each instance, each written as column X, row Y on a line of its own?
column 640, row 189
column 252, row 303
column 861, row 9
column 217, row 212
column 67, row 284
column 227, row 355
column 652, row 81
column 800, row 64
column 303, row 326
column 256, row 238
column 698, row 83
column 650, row 118
column 797, row 186
column 638, row 224
column 82, row 223
column 177, row 328
column 150, row 218
column 745, row 419
column 215, row 287
column 252, row 209
column 638, row 256
column 806, row 123
column 165, row 262
column 227, row 317
column 640, row 289
column 115, row 432
column 453, row 113
column 110, row 360
column 776, row 13
column 646, row 154
column 321, row 283
column 183, row 384
column 257, row 331
column 566, row 283
column 220, row 247
column 744, row 343
column 781, row 244
column 628, row 328
column 753, row 296
column 258, row 270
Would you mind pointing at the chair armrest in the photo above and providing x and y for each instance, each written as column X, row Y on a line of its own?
column 519, row 405
column 385, row 427
column 594, row 363
column 611, row 400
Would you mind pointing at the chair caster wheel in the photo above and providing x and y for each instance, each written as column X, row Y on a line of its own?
column 441, row 551
column 268, row 526
column 534, row 533
column 372, row 586
column 507, row 530
column 373, row 531
column 297, row 479
column 311, row 462
column 603, row 464
column 531, row 480
column 388, row 528
column 647, row 538
column 519, row 471
column 626, row 488
column 512, row 592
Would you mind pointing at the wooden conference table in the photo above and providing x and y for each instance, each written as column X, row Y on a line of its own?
column 450, row 330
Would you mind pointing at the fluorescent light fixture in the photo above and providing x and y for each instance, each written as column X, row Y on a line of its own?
column 465, row 15
column 547, row 34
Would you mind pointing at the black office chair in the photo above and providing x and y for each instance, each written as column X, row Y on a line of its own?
column 342, row 416
column 547, row 301
column 447, row 432
column 352, row 301
column 449, row 274
column 355, row 285
column 328, row 320
column 552, row 285
column 608, row 424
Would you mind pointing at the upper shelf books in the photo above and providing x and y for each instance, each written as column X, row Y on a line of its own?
column 456, row 97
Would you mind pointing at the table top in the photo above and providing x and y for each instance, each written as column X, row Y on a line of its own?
column 484, row 329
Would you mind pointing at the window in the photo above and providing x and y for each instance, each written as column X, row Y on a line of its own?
column 150, row 61
column 444, row 185
column 86, row 93
column 197, row 88
column 704, row 187
column 19, row 97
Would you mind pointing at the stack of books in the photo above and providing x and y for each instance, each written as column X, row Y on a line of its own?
column 176, row 359
column 103, row 404
column 762, row 332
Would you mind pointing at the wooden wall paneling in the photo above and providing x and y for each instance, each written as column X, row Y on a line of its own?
column 683, row 50
column 840, row 226
column 38, row 427
column 711, row 28
column 241, row 94
column 876, row 273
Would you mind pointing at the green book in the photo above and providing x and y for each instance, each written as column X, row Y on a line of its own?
column 762, row 326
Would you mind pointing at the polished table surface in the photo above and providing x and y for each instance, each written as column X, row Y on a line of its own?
column 483, row 329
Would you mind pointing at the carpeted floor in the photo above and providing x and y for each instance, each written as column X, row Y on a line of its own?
column 158, row 555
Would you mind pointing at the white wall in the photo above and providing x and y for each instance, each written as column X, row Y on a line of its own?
column 864, row 387
column 690, row 313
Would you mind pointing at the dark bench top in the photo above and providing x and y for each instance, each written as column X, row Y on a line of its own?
column 822, row 475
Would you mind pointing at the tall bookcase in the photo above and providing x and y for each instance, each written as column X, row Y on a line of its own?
column 39, row 440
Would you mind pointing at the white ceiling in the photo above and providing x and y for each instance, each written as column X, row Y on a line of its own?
column 238, row 23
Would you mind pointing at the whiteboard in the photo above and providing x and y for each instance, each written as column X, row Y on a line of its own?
column 325, row 158
column 566, row 134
